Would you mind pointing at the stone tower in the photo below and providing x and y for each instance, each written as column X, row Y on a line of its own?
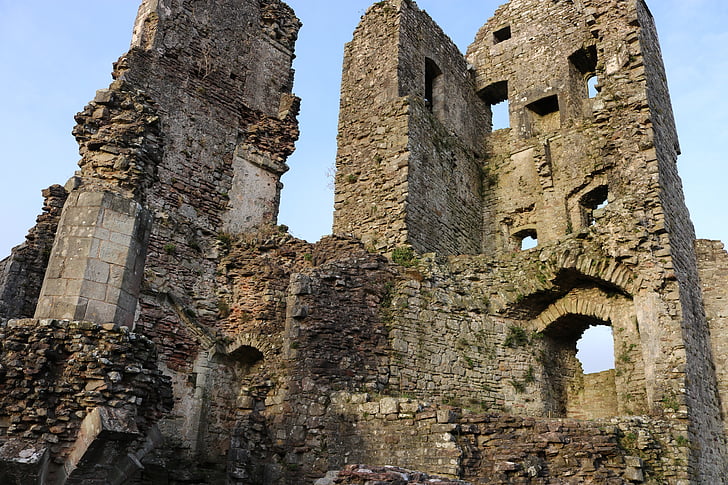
column 586, row 169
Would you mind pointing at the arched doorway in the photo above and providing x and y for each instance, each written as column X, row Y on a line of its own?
column 571, row 392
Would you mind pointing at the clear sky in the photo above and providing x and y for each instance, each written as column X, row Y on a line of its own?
column 55, row 54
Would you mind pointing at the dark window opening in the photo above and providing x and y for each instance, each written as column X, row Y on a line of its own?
column 584, row 63
column 545, row 106
column 496, row 96
column 526, row 239
column 434, row 89
column 593, row 203
column 502, row 35
column 545, row 116
column 247, row 355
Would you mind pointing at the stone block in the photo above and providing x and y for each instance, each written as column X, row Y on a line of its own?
column 389, row 405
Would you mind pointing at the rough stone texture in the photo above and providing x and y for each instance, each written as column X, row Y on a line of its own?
column 22, row 273
column 416, row 179
column 362, row 474
column 713, row 267
column 427, row 338
column 484, row 448
column 55, row 374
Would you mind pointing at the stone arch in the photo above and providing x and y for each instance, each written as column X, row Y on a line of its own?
column 249, row 340
column 567, row 391
column 545, row 275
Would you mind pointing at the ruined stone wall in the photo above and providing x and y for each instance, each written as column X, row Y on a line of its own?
column 509, row 449
column 502, row 336
column 22, row 273
column 446, row 122
column 181, row 154
column 55, row 375
column 713, row 268
column 421, row 184
column 565, row 153
column 372, row 159
column 708, row 461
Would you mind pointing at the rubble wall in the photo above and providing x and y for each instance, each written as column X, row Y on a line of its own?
column 509, row 449
column 55, row 373
column 22, row 273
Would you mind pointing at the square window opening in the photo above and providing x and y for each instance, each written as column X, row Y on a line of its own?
column 501, row 35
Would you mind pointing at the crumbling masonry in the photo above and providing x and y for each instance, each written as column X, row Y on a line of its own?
column 158, row 328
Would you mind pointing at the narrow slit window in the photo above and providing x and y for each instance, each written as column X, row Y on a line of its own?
column 434, row 89
column 592, row 86
column 501, row 35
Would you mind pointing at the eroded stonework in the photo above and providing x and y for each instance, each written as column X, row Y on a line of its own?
column 424, row 335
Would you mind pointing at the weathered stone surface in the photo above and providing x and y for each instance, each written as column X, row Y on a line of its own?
column 432, row 339
column 22, row 273
column 55, row 374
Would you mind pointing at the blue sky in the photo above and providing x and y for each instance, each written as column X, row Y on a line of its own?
column 55, row 55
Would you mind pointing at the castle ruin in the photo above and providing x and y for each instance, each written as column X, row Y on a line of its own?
column 158, row 328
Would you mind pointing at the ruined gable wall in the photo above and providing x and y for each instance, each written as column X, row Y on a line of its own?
column 228, row 131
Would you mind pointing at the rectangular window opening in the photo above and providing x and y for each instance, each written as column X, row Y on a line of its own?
column 502, row 35
column 545, row 106
column 496, row 96
column 544, row 115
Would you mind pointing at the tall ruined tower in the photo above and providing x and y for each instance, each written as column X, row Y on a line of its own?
column 586, row 169
column 414, row 178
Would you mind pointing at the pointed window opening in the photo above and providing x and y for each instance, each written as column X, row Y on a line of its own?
column 496, row 97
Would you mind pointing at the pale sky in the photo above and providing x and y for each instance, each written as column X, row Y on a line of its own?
column 54, row 56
